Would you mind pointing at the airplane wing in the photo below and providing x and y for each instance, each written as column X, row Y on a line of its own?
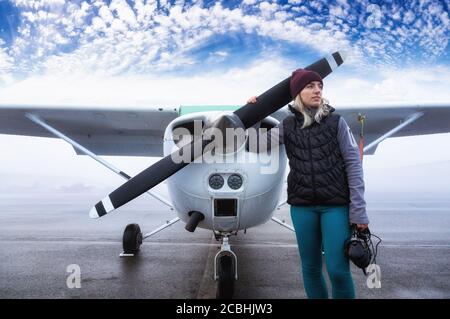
column 391, row 120
column 104, row 131
column 140, row 132
column 418, row 119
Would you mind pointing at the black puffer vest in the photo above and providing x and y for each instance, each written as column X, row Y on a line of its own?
column 317, row 175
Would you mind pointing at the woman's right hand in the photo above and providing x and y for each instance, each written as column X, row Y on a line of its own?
column 252, row 100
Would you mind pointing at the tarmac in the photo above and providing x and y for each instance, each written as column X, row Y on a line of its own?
column 41, row 235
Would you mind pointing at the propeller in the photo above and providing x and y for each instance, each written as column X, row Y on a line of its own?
column 245, row 117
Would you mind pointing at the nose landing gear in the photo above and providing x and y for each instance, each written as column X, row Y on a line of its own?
column 225, row 270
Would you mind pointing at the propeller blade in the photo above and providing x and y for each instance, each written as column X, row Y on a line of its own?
column 149, row 178
column 268, row 102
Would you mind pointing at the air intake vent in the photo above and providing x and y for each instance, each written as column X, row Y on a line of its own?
column 224, row 207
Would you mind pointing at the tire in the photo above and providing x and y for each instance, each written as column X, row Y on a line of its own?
column 132, row 239
column 225, row 285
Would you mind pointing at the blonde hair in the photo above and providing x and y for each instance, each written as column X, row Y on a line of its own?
column 322, row 111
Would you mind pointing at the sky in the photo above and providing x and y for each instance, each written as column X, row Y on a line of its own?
column 172, row 53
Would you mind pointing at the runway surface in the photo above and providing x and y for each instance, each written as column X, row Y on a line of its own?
column 42, row 234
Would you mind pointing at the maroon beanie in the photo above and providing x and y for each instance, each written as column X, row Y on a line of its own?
column 300, row 78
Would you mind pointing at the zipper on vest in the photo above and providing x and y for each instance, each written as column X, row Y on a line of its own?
column 312, row 166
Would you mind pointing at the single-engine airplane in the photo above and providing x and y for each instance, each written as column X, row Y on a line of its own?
column 224, row 196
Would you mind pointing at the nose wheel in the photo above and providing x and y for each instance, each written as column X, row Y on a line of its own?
column 225, row 281
column 225, row 271
column 132, row 240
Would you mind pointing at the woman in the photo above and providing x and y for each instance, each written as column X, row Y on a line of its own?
column 325, row 185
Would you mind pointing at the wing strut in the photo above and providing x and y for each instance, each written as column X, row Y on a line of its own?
column 164, row 226
column 282, row 223
column 410, row 119
column 36, row 119
column 282, row 204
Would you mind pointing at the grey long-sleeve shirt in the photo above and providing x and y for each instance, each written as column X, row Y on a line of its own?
column 353, row 166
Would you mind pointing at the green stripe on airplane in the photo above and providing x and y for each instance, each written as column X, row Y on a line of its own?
column 186, row 109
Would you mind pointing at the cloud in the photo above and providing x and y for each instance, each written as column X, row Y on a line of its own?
column 5, row 59
column 268, row 9
column 124, row 12
column 317, row 5
column 221, row 53
column 418, row 84
column 120, row 38
column 123, row 38
column 408, row 85
column 231, row 87
column 408, row 17
column 46, row 28
column 105, row 14
column 6, row 65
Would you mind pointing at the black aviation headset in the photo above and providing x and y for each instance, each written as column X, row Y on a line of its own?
column 360, row 249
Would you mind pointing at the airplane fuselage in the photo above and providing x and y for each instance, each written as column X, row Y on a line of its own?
column 233, row 191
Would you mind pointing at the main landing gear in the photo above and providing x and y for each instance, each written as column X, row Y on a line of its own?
column 132, row 240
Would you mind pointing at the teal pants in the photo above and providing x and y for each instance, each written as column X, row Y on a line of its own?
column 328, row 226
